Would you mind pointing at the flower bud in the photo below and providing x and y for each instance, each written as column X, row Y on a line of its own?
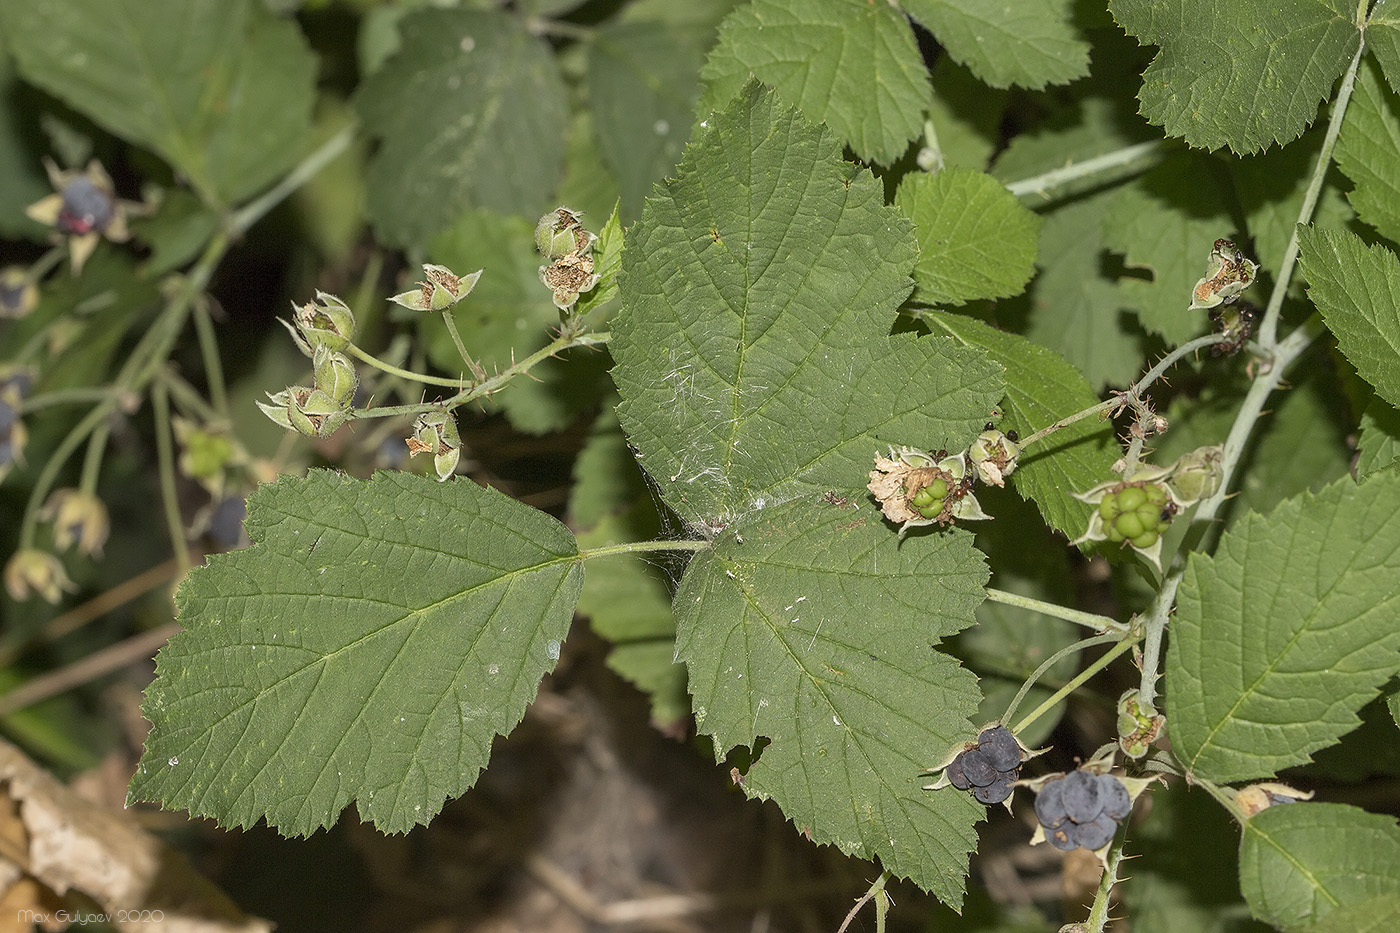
column 1197, row 475
column 1136, row 730
column 559, row 233
column 436, row 433
column 78, row 518
column 19, row 294
column 34, row 571
column 308, row 411
column 1227, row 274
column 335, row 375
column 994, row 455
column 327, row 322
column 441, row 289
column 1257, row 797
column 206, row 453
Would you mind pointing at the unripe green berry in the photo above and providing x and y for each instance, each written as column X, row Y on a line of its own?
column 1144, row 540
column 932, row 511
column 1130, row 497
column 1129, row 525
column 1108, row 508
column 1156, row 495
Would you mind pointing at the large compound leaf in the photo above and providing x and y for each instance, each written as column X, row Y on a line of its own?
column 1271, row 187
column 814, row 628
column 471, row 112
column 1378, row 441
column 1368, row 151
column 1286, row 631
column 1041, row 388
column 976, row 240
column 1166, row 222
column 1244, row 74
column 368, row 648
column 1030, row 43
column 851, row 65
column 1301, row 862
column 1357, row 289
column 753, row 348
column 219, row 88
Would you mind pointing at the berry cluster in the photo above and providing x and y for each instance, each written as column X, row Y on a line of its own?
column 1082, row 809
column 989, row 769
column 929, row 500
column 1137, row 513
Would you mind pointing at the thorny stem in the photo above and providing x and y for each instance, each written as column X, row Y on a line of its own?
column 472, row 366
column 1079, row 679
column 1129, row 158
column 494, row 384
column 1048, row 663
column 877, row 893
column 1136, row 390
column 1268, row 328
column 1087, row 619
column 1155, row 619
column 1098, row 914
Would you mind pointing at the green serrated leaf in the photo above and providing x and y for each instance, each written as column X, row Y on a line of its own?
column 1286, row 631
column 853, row 66
column 643, row 83
column 810, row 626
column 975, row 239
column 607, row 262
column 1300, row 863
column 1379, row 440
column 1383, row 39
column 1030, row 43
column 471, row 112
column 368, row 648
column 1041, row 388
column 1368, row 151
column 1357, row 289
column 1166, row 222
column 177, row 232
column 1374, row 915
column 1245, row 75
column 753, row 348
column 219, row 88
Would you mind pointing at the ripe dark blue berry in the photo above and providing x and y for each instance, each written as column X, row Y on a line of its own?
column 1081, row 796
column 999, row 747
column 1116, row 801
column 977, row 768
column 956, row 776
column 85, row 208
column 1097, row 833
column 1050, row 806
column 997, row 791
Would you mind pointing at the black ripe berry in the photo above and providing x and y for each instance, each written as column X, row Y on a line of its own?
column 990, row 768
column 1082, row 809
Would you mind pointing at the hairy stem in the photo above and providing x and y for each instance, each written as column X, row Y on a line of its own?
column 1130, row 158
column 1268, row 328
column 1137, row 388
column 641, row 547
column 1087, row 619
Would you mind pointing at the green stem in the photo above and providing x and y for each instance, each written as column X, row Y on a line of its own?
column 1045, row 666
column 188, row 399
column 1223, row 796
column 1268, row 328
column 1079, row 679
column 92, row 461
column 494, row 384
column 165, row 460
column 45, row 263
column 451, row 323
column 1155, row 619
column 641, row 547
column 1087, row 619
column 1152, row 375
column 66, row 397
column 1120, row 161
column 213, row 366
column 386, row 367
